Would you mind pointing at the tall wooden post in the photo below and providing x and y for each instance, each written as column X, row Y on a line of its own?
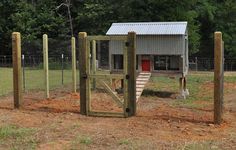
column 17, row 72
column 84, row 70
column 94, row 66
column 99, row 53
column 218, row 77
column 124, row 86
column 73, row 49
column 131, row 65
column 45, row 64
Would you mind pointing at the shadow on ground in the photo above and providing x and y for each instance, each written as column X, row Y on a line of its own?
column 161, row 94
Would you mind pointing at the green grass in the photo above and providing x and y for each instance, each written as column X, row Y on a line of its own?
column 34, row 79
column 85, row 140
column 195, row 84
column 207, row 145
column 81, row 141
column 17, row 138
column 124, row 142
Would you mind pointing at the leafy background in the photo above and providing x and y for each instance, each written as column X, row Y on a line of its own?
column 33, row 18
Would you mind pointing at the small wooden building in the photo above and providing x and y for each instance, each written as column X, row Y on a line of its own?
column 162, row 47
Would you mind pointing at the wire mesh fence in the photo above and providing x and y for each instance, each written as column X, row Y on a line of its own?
column 107, row 94
column 207, row 64
column 6, row 81
column 33, row 74
column 36, row 61
column 59, row 71
column 5, row 61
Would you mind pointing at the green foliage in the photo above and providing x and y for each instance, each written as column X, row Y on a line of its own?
column 34, row 18
column 226, row 17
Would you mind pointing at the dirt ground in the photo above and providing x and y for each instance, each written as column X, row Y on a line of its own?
column 157, row 125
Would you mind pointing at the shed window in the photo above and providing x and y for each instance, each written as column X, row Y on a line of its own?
column 118, row 61
column 166, row 62
column 161, row 62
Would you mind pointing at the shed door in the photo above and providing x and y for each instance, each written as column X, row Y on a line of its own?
column 146, row 65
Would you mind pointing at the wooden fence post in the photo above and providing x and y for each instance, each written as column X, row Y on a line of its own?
column 45, row 62
column 94, row 61
column 131, row 65
column 17, row 72
column 73, row 48
column 83, row 65
column 218, row 77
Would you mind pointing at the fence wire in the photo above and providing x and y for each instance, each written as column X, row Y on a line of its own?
column 33, row 78
column 105, row 92
column 207, row 64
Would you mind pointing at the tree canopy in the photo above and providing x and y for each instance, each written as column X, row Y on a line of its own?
column 61, row 18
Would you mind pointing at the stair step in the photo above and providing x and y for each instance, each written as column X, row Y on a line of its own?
column 141, row 81
column 139, row 89
column 145, row 76
column 138, row 93
column 146, row 73
column 140, row 85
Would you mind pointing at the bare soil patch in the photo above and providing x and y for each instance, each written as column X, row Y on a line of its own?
column 157, row 125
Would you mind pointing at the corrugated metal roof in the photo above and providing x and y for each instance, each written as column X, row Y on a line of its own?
column 148, row 28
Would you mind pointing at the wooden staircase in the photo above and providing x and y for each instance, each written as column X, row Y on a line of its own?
column 141, row 81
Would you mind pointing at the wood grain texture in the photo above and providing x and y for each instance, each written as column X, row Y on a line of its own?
column 45, row 62
column 73, row 52
column 131, row 65
column 94, row 62
column 218, row 77
column 17, row 71
column 83, row 72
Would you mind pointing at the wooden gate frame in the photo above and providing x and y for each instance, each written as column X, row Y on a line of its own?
column 128, row 76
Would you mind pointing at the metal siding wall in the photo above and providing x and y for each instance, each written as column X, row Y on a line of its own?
column 160, row 45
column 116, row 47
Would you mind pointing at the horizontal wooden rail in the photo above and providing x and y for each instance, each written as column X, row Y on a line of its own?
column 107, row 76
column 105, row 114
column 107, row 38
